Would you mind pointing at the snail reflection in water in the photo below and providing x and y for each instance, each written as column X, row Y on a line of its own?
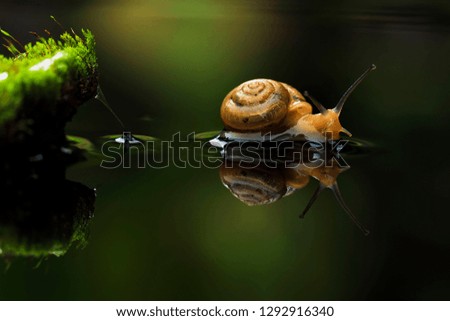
column 262, row 106
column 259, row 181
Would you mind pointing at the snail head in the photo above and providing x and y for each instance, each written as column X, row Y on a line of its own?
column 328, row 119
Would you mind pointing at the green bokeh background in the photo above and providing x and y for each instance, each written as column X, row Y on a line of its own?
column 172, row 234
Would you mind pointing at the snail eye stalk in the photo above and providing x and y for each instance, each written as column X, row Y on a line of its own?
column 316, row 103
column 348, row 92
column 313, row 198
column 340, row 200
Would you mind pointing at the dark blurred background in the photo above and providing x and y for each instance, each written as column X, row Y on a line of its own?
column 172, row 234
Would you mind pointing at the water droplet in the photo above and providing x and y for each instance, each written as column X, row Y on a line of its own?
column 127, row 138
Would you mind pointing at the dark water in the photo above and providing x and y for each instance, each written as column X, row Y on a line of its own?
column 173, row 233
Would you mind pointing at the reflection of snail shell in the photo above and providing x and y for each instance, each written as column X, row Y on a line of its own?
column 255, row 186
column 261, row 185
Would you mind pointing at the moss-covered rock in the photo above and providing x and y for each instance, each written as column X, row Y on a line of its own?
column 42, row 85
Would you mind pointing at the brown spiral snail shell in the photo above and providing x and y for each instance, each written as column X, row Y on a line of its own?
column 261, row 105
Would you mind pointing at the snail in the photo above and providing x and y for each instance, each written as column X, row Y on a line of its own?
column 264, row 182
column 262, row 107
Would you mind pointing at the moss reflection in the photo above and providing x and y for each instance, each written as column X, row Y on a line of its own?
column 43, row 213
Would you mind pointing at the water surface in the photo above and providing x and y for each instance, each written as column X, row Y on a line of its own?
column 168, row 234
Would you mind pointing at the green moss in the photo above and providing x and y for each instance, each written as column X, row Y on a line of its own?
column 16, row 247
column 56, row 239
column 45, row 73
column 44, row 217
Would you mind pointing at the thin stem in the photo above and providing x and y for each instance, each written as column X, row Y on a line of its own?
column 101, row 97
column 344, row 97
column 57, row 22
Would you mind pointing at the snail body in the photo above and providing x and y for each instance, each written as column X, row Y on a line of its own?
column 262, row 108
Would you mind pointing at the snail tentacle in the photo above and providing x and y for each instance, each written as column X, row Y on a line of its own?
column 347, row 93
